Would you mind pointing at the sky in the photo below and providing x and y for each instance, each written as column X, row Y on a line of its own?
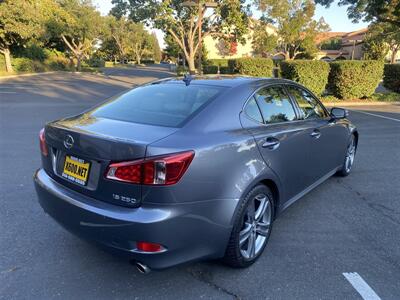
column 335, row 16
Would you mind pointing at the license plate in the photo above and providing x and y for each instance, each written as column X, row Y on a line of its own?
column 76, row 169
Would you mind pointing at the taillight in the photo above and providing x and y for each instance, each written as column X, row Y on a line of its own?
column 159, row 170
column 42, row 140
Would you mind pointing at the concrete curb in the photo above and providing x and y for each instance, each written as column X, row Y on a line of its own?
column 366, row 103
column 28, row 74
column 50, row 72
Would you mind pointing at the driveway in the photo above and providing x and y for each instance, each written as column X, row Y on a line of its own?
column 346, row 225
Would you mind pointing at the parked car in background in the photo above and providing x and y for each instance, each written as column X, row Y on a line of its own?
column 194, row 168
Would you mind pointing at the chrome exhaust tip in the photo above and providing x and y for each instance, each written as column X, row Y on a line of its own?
column 142, row 268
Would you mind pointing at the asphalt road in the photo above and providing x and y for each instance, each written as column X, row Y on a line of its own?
column 345, row 225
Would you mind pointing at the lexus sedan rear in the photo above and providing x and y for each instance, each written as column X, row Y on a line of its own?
column 180, row 170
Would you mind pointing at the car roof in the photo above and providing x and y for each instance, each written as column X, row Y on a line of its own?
column 221, row 80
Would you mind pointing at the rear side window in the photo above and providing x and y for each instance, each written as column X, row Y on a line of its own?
column 275, row 105
column 159, row 104
column 253, row 111
column 310, row 107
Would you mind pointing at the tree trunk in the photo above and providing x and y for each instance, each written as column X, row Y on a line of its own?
column 393, row 56
column 192, row 67
column 7, row 58
column 138, row 59
column 78, row 62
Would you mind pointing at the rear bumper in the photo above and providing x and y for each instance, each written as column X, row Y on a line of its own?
column 189, row 231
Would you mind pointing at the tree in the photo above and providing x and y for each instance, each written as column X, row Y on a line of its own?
column 382, row 39
column 184, row 22
column 331, row 44
column 155, row 48
column 374, row 48
column 140, row 41
column 381, row 11
column 79, row 25
column 119, row 31
column 20, row 22
column 172, row 48
column 264, row 42
column 296, row 28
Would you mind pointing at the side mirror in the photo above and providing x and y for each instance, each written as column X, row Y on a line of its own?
column 339, row 113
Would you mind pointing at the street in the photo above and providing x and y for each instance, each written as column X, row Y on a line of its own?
column 345, row 225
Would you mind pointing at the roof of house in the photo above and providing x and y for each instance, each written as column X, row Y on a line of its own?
column 326, row 36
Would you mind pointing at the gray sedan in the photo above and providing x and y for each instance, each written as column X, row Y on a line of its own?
column 195, row 168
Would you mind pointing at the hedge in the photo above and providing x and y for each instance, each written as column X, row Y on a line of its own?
column 311, row 73
column 214, row 70
column 147, row 61
column 391, row 78
column 222, row 62
column 225, row 70
column 259, row 67
column 210, row 69
column 355, row 79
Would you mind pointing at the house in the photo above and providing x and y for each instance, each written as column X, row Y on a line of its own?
column 217, row 49
column 349, row 45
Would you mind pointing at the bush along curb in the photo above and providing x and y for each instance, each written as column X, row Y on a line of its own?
column 355, row 79
column 313, row 74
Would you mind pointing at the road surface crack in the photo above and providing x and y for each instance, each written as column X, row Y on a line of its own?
column 205, row 276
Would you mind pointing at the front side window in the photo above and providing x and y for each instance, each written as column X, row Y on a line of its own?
column 310, row 107
column 275, row 105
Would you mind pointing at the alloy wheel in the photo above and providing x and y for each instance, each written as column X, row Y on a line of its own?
column 256, row 226
column 350, row 154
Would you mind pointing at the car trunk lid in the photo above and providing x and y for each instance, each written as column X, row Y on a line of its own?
column 89, row 143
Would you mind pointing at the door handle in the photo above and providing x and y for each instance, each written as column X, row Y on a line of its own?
column 315, row 134
column 271, row 143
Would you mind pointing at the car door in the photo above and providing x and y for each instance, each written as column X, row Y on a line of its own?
column 281, row 141
column 325, row 142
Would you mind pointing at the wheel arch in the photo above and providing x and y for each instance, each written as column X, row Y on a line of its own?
column 275, row 193
column 355, row 133
column 269, row 181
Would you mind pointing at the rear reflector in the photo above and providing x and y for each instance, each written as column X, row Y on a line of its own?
column 42, row 141
column 158, row 170
column 149, row 247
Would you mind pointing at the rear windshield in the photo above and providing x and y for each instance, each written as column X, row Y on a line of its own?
column 159, row 104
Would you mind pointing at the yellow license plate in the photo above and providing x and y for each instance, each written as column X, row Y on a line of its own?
column 76, row 169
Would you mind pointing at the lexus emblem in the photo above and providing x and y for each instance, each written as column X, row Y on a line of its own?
column 68, row 142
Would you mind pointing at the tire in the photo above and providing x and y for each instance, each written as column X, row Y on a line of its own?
column 258, row 203
column 349, row 158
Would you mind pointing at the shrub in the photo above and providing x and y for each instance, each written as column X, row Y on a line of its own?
column 57, row 61
column 32, row 51
column 180, row 70
column 355, row 79
column 391, row 78
column 96, row 62
column 259, row 67
column 35, row 52
column 23, row 64
column 387, row 97
column 210, row 69
column 311, row 73
column 329, row 98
